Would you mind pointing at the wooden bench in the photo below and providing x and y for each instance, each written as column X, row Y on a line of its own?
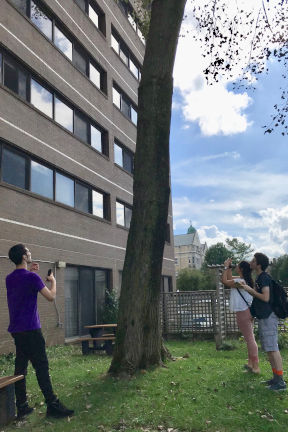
column 7, row 398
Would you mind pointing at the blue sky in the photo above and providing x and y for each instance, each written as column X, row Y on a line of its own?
column 228, row 178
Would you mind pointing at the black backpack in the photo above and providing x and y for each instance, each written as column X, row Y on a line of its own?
column 278, row 299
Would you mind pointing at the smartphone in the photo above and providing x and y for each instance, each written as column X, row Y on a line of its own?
column 49, row 272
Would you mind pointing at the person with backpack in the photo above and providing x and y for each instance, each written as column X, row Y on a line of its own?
column 262, row 309
column 240, row 302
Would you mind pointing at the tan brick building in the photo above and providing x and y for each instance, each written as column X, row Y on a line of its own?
column 69, row 81
column 189, row 251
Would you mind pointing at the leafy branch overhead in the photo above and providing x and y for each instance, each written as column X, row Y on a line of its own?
column 239, row 43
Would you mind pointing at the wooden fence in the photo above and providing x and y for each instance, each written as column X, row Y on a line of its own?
column 199, row 312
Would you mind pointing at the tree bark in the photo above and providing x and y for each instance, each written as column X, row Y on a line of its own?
column 139, row 342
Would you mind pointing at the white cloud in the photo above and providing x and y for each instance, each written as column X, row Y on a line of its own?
column 216, row 109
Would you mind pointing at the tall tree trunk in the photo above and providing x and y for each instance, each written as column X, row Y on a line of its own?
column 139, row 341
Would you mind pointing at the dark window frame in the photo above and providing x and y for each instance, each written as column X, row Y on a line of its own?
column 29, row 158
column 125, row 48
column 126, row 8
column 101, row 15
column 129, row 206
column 128, row 152
column 58, row 95
column 124, row 96
column 56, row 22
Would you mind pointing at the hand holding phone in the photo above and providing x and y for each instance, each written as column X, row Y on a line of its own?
column 50, row 275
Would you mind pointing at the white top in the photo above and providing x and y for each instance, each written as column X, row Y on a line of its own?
column 237, row 303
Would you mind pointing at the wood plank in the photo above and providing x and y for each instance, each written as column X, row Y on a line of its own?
column 92, row 339
column 7, row 380
column 98, row 339
column 100, row 326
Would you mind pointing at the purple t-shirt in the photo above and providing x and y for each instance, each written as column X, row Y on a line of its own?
column 22, row 289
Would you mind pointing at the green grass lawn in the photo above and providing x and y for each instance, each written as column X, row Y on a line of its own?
column 208, row 391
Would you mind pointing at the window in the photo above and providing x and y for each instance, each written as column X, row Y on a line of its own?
column 64, row 190
column 120, row 213
column 79, row 59
column 62, row 42
column 81, row 197
column 38, row 18
column 81, row 127
column 118, row 155
column 115, row 43
column 95, row 75
column 65, row 41
column 116, row 98
column 125, row 54
column 134, row 69
column 134, row 115
column 63, row 114
column 124, row 104
column 166, row 284
column 96, row 138
column 93, row 15
column 14, row 168
column 41, row 180
column 97, row 204
column 15, row 78
column 123, row 214
column 132, row 21
column 128, row 10
column 123, row 157
column 48, row 102
column 125, row 107
column 41, row 98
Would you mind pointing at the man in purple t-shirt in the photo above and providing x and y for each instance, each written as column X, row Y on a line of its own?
column 22, row 290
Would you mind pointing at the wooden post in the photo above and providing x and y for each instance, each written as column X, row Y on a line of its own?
column 220, row 307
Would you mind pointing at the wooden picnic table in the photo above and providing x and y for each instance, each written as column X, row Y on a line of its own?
column 102, row 336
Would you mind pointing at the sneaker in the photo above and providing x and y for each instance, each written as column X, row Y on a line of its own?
column 247, row 367
column 57, row 410
column 268, row 383
column 24, row 410
column 278, row 386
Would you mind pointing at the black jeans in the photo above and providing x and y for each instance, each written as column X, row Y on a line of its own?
column 30, row 345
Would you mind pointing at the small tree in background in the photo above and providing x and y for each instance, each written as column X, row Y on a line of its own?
column 194, row 280
column 279, row 269
column 239, row 251
column 216, row 254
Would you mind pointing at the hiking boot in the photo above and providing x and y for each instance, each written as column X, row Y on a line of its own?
column 24, row 410
column 57, row 410
column 278, row 386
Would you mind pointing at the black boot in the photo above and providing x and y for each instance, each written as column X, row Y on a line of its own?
column 24, row 410
column 57, row 410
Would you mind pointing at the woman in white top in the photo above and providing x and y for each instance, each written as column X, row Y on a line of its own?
column 240, row 300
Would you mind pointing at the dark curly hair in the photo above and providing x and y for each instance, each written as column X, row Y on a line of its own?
column 246, row 272
column 262, row 260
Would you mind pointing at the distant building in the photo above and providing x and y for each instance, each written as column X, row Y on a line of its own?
column 189, row 251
